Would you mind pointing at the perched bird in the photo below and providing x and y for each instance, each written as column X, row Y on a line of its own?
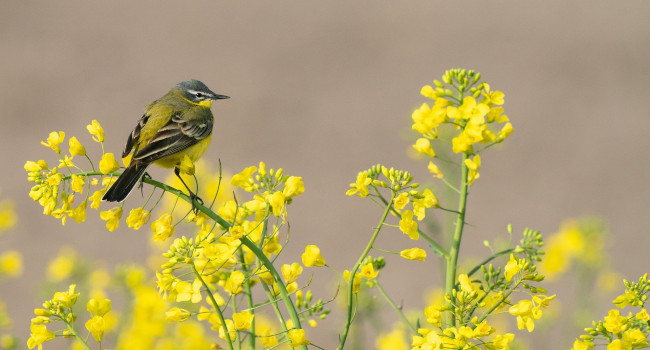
column 173, row 126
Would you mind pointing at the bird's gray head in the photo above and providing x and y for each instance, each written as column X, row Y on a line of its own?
column 197, row 93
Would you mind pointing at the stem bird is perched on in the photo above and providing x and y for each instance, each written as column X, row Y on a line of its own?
column 176, row 125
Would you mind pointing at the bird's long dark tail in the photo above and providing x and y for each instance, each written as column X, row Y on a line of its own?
column 125, row 183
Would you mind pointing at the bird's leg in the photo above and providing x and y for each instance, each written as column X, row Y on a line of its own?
column 193, row 196
column 141, row 184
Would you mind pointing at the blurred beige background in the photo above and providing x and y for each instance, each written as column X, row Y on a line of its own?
column 325, row 89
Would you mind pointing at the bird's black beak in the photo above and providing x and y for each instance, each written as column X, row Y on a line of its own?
column 219, row 97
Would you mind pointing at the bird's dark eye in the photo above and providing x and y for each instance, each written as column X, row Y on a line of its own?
column 199, row 95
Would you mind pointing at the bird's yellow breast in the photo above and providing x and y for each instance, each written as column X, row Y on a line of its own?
column 194, row 152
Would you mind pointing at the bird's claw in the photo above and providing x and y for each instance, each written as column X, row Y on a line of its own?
column 141, row 184
column 195, row 199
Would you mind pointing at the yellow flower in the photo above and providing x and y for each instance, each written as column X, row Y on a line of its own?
column 617, row 344
column 493, row 97
column 188, row 292
column 176, row 314
column 244, row 179
column 512, row 267
column 237, row 231
column 465, row 283
column 99, row 306
column 582, row 345
column 95, row 129
column 420, row 205
column 368, row 271
column 427, row 119
column 39, row 335
column 409, row 226
column 77, row 183
column 108, row 164
column 276, row 200
column 506, row 130
column 76, row 148
column 482, row 330
column 112, row 218
column 614, row 322
column 635, row 338
column 433, row 315
column 297, row 337
column 66, row 162
column 428, row 91
column 423, row 145
column 267, row 339
column 433, row 169
column 232, row 334
column 524, row 312
column 96, row 198
column 360, row 187
column 54, row 139
column 11, row 264
column 392, row 341
column 66, row 299
column 187, row 165
column 468, row 110
column 291, row 272
column 527, row 312
column 293, row 187
column 473, row 165
column 501, row 342
column 234, row 282
column 243, row 320
column 162, row 227
column 356, row 283
column 96, row 326
column 413, row 254
column 137, row 218
column 35, row 166
column 401, row 201
column 642, row 315
column 312, row 256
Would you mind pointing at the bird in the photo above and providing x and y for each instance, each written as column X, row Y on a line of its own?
column 176, row 125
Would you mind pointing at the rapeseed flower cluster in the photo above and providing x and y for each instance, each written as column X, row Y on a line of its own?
column 470, row 110
column 619, row 331
column 64, row 191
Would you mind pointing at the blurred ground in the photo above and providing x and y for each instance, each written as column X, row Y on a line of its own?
column 325, row 89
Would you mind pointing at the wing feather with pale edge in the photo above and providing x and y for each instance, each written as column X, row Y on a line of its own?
column 134, row 136
column 177, row 135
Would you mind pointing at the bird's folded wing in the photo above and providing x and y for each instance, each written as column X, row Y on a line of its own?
column 134, row 136
column 177, row 135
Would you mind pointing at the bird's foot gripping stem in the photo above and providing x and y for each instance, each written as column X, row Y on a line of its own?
column 195, row 199
column 141, row 184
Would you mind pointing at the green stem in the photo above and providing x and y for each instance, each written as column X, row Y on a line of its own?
column 452, row 259
column 348, row 322
column 494, row 256
column 74, row 333
column 249, row 295
column 216, row 307
column 274, row 302
column 395, row 307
